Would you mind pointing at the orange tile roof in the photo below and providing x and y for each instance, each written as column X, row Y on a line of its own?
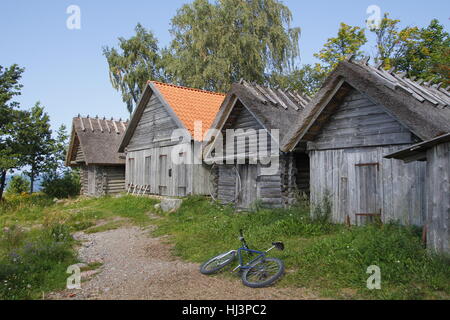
column 191, row 105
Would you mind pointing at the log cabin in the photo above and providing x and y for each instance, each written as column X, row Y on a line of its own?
column 436, row 154
column 361, row 114
column 93, row 149
column 249, row 168
column 161, row 140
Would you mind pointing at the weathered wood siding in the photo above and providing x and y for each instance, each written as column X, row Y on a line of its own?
column 97, row 181
column 157, row 168
column 150, row 160
column 358, row 122
column 438, row 201
column 154, row 129
column 79, row 155
column 245, row 184
column 356, row 184
column 115, row 180
column 84, row 180
column 241, row 118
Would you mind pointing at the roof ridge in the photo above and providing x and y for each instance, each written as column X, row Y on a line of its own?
column 103, row 118
column 420, row 89
column 187, row 88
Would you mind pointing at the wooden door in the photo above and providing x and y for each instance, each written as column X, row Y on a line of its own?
column 163, row 175
column 367, row 189
column 248, row 186
column 148, row 173
column 180, row 177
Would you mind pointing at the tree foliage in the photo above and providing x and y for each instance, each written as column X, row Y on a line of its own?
column 18, row 185
column 349, row 40
column 9, row 115
column 427, row 54
column 62, row 185
column 305, row 80
column 37, row 144
column 135, row 62
column 216, row 44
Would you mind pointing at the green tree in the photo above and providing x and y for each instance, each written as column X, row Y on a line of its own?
column 309, row 78
column 136, row 61
column 55, row 163
column 37, row 144
column 9, row 88
column 392, row 42
column 349, row 40
column 306, row 80
column 427, row 55
column 216, row 44
column 18, row 185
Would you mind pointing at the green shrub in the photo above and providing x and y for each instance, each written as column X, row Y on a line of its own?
column 62, row 185
column 18, row 185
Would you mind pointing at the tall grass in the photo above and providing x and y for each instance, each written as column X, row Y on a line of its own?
column 332, row 259
column 34, row 262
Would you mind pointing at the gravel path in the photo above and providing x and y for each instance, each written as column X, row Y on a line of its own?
column 137, row 266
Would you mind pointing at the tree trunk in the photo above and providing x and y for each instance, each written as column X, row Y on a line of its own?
column 2, row 183
column 31, row 180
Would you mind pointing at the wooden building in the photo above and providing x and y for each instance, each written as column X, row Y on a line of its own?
column 361, row 114
column 93, row 148
column 436, row 153
column 155, row 161
column 252, row 113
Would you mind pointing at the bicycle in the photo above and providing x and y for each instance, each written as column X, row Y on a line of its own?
column 258, row 273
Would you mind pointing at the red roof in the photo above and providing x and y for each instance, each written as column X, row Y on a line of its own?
column 191, row 105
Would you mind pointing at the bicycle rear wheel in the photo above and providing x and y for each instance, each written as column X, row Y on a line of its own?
column 263, row 273
column 217, row 263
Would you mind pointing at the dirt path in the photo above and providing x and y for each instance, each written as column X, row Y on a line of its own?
column 139, row 267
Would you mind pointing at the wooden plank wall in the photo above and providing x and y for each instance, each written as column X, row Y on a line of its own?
column 358, row 122
column 227, row 184
column 151, row 148
column 438, row 198
column 254, row 186
column 241, row 118
column 84, row 180
column 79, row 155
column 154, row 128
column 400, row 188
column 154, row 166
column 347, row 161
column 115, row 179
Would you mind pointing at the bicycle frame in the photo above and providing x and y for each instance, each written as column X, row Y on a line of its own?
column 239, row 251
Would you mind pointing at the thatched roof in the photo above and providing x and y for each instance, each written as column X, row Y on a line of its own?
column 99, row 140
column 272, row 108
column 421, row 107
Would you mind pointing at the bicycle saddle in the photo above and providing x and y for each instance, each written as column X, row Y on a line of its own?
column 279, row 245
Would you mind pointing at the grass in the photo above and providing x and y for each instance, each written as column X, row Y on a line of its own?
column 330, row 259
column 34, row 262
column 36, row 245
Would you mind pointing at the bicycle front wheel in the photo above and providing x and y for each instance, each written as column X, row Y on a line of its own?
column 217, row 263
column 263, row 273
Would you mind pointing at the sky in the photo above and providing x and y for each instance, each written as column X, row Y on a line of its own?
column 66, row 71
